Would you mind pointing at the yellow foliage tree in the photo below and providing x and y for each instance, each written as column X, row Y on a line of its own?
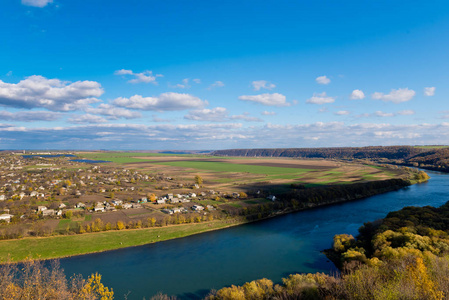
column 95, row 289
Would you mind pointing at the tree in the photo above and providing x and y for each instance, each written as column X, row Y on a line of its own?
column 68, row 214
column 120, row 225
column 198, row 179
column 95, row 289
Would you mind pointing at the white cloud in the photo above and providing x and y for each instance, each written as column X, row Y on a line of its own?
column 87, row 119
column 383, row 114
column 29, row 116
column 113, row 112
column 217, row 114
column 262, row 84
column 357, row 95
column 246, row 117
column 322, row 80
column 183, row 85
column 216, row 84
column 53, row 94
column 196, row 80
column 36, row 3
column 145, row 76
column 268, row 113
column 158, row 119
column 164, row 102
column 429, row 91
column 395, row 96
column 342, row 113
column 221, row 136
column 321, row 99
column 406, row 112
column 274, row 99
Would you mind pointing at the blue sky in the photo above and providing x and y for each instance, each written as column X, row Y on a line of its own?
column 78, row 74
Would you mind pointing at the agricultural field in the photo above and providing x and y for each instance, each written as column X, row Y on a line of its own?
column 242, row 174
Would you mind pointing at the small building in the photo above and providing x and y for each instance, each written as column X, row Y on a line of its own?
column 62, row 205
column 169, row 196
column 272, row 198
column 99, row 209
column 198, row 207
column 41, row 208
column 174, row 200
column 6, row 217
column 144, row 200
column 2, row 197
column 127, row 206
column 48, row 212
column 117, row 202
column 80, row 205
column 167, row 211
column 160, row 201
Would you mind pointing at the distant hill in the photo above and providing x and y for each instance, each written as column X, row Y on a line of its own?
column 430, row 157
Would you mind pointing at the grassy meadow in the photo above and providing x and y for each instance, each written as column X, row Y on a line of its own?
column 68, row 245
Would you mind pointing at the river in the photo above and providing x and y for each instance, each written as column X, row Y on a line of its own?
column 190, row 267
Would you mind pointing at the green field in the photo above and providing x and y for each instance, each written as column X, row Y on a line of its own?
column 237, row 168
column 68, row 245
column 127, row 157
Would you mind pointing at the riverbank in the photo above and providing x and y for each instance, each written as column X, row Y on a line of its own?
column 43, row 248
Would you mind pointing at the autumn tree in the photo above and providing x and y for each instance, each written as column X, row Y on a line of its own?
column 198, row 179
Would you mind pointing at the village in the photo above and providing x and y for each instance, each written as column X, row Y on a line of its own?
column 53, row 194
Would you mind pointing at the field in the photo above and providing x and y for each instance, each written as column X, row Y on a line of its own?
column 62, row 246
column 242, row 174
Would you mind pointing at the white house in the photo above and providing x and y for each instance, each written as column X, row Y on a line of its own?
column 6, row 217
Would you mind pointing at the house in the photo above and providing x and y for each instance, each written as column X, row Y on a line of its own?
column 41, row 208
column 48, row 212
column 80, row 205
column 117, row 202
column 175, row 200
column 210, row 207
column 6, row 217
column 167, row 211
column 127, row 205
column 272, row 198
column 99, row 209
column 160, row 201
column 144, row 200
column 197, row 207
column 169, row 196
column 176, row 210
column 33, row 194
column 193, row 195
column 2, row 197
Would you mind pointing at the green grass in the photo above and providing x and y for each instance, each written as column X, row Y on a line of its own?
column 128, row 157
column 62, row 225
column 68, row 245
column 88, row 218
column 236, row 168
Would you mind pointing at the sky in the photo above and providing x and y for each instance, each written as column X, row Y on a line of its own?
column 207, row 75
